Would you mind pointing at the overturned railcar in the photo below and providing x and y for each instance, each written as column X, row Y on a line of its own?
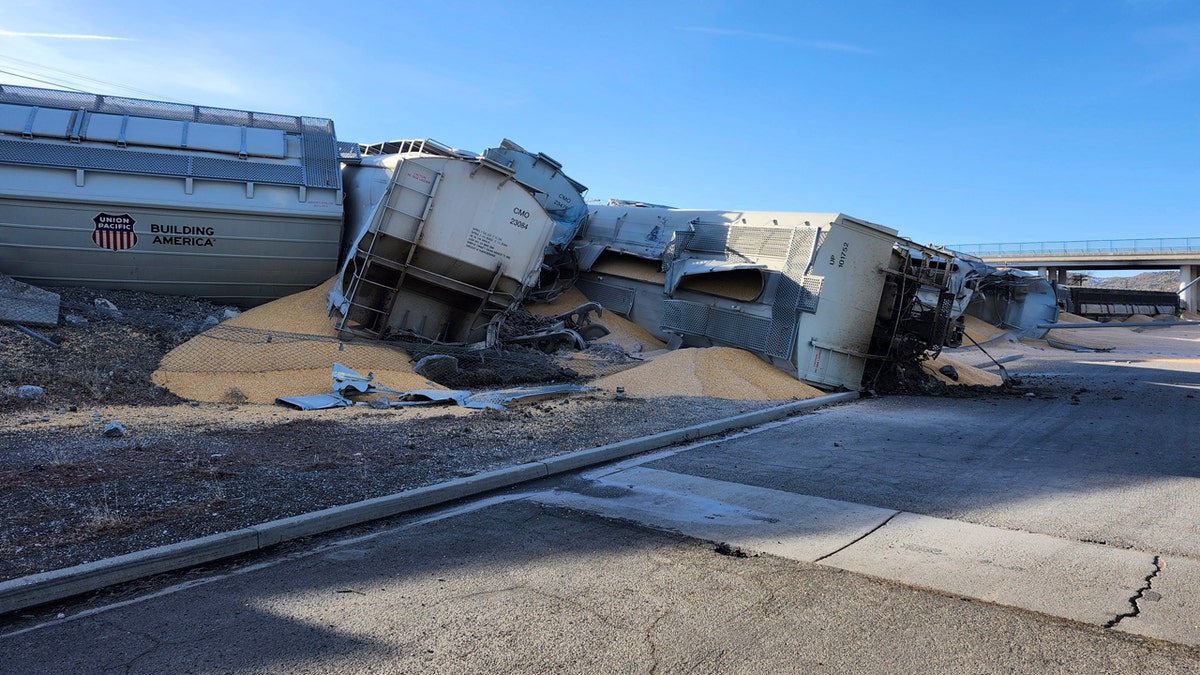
column 819, row 295
column 112, row 192
column 441, row 242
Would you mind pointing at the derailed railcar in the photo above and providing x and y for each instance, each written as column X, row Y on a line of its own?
column 819, row 295
column 441, row 243
column 112, row 192
column 1118, row 304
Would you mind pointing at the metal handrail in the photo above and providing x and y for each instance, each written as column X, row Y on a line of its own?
column 1097, row 246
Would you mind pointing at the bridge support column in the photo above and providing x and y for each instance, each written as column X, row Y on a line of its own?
column 1044, row 272
column 1188, row 274
column 1060, row 275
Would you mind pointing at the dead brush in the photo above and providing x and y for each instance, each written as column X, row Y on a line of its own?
column 217, row 493
column 136, row 445
column 104, row 514
column 95, row 381
column 56, row 456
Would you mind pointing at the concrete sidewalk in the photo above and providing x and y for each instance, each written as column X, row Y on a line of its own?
column 1079, row 581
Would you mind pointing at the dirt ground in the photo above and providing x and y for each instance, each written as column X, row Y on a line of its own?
column 185, row 469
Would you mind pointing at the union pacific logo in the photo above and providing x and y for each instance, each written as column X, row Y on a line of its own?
column 114, row 232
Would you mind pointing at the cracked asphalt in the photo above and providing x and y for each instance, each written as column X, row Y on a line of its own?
column 1027, row 534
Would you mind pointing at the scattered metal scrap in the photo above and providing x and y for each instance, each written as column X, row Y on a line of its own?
column 348, row 383
column 573, row 328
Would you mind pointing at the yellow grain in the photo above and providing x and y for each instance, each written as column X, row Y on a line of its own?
column 979, row 330
column 717, row 372
column 630, row 267
column 225, row 365
column 967, row 374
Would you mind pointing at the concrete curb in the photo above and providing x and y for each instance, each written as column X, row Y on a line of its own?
column 37, row 589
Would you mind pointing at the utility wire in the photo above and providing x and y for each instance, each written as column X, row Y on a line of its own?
column 25, row 76
column 30, row 75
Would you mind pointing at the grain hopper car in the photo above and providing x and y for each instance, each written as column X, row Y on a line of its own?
column 114, row 192
column 442, row 242
column 819, row 295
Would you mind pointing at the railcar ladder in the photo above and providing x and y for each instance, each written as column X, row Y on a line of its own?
column 366, row 261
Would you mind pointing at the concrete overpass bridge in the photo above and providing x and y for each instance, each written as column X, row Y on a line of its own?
column 1056, row 259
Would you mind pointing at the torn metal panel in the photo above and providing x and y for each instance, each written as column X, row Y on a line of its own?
column 430, row 396
column 315, row 402
column 347, row 381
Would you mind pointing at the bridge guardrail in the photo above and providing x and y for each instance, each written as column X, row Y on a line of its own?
column 1097, row 246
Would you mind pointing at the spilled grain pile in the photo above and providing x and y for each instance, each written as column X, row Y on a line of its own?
column 283, row 348
column 717, row 372
column 287, row 348
column 967, row 374
column 1067, row 317
column 979, row 330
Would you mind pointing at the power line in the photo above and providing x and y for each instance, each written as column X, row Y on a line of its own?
column 76, row 76
column 24, row 76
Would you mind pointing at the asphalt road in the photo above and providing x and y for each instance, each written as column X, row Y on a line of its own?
column 1030, row 534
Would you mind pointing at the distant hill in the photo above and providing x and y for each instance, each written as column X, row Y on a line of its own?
column 1146, row 281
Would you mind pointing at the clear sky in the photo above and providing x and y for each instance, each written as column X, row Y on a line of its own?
column 958, row 121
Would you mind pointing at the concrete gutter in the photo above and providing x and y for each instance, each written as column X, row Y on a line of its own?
column 37, row 589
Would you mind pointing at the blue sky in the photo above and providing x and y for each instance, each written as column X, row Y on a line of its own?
column 953, row 122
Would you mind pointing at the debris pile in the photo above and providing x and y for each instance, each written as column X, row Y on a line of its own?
column 286, row 348
column 621, row 331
